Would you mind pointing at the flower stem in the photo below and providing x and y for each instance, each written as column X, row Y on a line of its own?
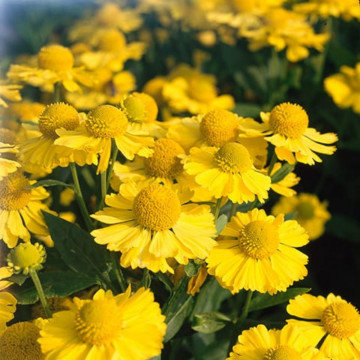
column 233, row 209
column 112, row 163
column 217, row 208
column 57, row 89
column 118, row 273
column 35, row 278
column 80, row 198
column 103, row 189
column 272, row 162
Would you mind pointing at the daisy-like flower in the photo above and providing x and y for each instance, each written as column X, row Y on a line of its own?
column 311, row 214
column 20, row 209
column 7, row 309
column 41, row 150
column 286, row 127
column 8, row 163
column 9, row 92
column 259, row 343
column 152, row 224
column 55, row 64
column 344, row 87
column 331, row 320
column 19, row 341
column 102, row 124
column 257, row 252
column 106, row 327
column 227, row 171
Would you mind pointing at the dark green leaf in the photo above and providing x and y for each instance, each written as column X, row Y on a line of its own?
column 263, row 301
column 221, row 223
column 282, row 172
column 208, row 323
column 344, row 227
column 48, row 183
column 245, row 109
column 17, row 279
column 191, row 269
column 290, row 216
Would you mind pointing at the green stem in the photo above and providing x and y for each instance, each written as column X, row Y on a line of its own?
column 181, row 287
column 103, row 189
column 217, row 208
column 111, row 167
column 118, row 273
column 80, row 198
column 272, row 162
column 57, row 90
column 233, row 209
column 35, row 278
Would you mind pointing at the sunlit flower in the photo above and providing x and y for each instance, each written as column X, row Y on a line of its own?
column 101, row 125
column 152, row 224
column 344, row 87
column 8, row 163
column 55, row 64
column 27, row 111
column 106, row 327
column 258, row 252
column 9, row 92
column 7, row 309
column 21, row 210
column 259, row 343
column 331, row 320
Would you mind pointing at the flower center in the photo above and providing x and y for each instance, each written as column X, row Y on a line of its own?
column 55, row 116
column 112, row 41
column 233, row 158
column 219, row 127
column 259, row 239
column 134, row 108
column 341, row 319
column 164, row 162
column 290, row 120
column 157, row 207
column 305, row 210
column 12, row 193
column 106, row 121
column 19, row 341
column 26, row 256
column 56, row 58
column 98, row 321
column 7, row 136
column 282, row 353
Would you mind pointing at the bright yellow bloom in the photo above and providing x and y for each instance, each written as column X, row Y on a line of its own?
column 286, row 127
column 227, row 171
column 67, row 196
column 19, row 341
column 7, row 309
column 9, row 92
column 8, row 163
column 106, row 327
column 259, row 343
column 101, row 125
column 257, row 252
column 254, row 6
column 41, row 151
column 283, row 187
column 20, row 209
column 311, row 214
column 344, row 87
column 152, row 224
column 27, row 111
column 331, row 320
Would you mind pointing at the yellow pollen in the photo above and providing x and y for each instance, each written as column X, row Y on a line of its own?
column 7, row 136
column 164, row 162
column 112, row 41
column 289, row 120
column 305, row 210
column 150, row 106
column 157, row 207
column 58, row 115
column 341, row 319
column 259, row 239
column 12, row 193
column 106, row 121
column 56, row 58
column 282, row 353
column 233, row 158
column 19, row 341
column 98, row 321
column 201, row 90
column 134, row 108
column 219, row 127
column 26, row 256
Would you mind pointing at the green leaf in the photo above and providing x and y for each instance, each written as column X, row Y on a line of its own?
column 263, row 301
column 344, row 227
column 245, row 109
column 18, row 279
column 221, row 223
column 290, row 216
column 208, row 323
column 77, row 248
column 54, row 283
column 48, row 183
column 191, row 269
column 282, row 172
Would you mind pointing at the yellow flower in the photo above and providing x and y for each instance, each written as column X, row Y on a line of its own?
column 9, row 92
column 102, row 124
column 283, row 187
column 344, row 88
column 41, row 151
column 7, row 309
column 106, row 327
column 8, row 163
column 286, row 127
column 197, row 281
column 152, row 224
column 19, row 341
column 27, row 111
column 67, row 196
column 331, row 320
column 20, row 209
column 257, row 252
column 227, row 171
column 259, row 343
column 55, row 64
column 311, row 214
